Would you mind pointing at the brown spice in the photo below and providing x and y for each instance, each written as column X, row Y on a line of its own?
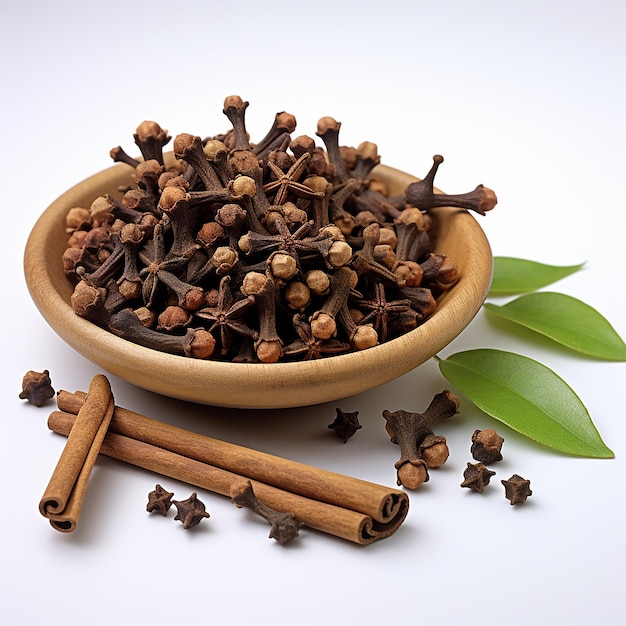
column 517, row 489
column 159, row 500
column 345, row 424
column 63, row 498
column 285, row 526
column 423, row 196
column 434, row 450
column 486, row 446
column 37, row 387
column 413, row 474
column 356, row 510
column 284, row 208
column 197, row 343
column 308, row 347
column 476, row 477
column 190, row 511
column 410, row 430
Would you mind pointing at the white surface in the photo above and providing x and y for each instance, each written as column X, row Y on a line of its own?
column 525, row 97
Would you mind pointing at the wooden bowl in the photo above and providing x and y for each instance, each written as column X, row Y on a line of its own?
column 256, row 385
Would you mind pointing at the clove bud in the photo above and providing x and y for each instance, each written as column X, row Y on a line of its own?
column 37, row 387
column 486, row 446
column 307, row 215
column 411, row 430
column 422, row 194
column 285, row 526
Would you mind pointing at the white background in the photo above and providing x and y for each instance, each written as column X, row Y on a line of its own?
column 525, row 97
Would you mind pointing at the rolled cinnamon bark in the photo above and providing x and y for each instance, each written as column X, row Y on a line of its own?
column 346, row 507
column 63, row 498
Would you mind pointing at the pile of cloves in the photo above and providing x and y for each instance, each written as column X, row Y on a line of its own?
column 249, row 252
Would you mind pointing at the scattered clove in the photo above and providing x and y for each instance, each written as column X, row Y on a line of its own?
column 285, row 526
column 516, row 489
column 159, row 500
column 219, row 209
column 411, row 430
column 37, row 387
column 486, row 446
column 477, row 477
column 345, row 424
column 190, row 511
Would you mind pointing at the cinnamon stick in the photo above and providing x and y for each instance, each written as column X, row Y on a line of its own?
column 346, row 507
column 63, row 498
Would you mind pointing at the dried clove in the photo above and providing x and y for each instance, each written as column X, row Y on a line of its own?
column 307, row 217
column 285, row 526
column 195, row 342
column 286, row 184
column 477, row 476
column 323, row 324
column 381, row 311
column 516, row 489
column 190, row 511
column 150, row 139
column 410, row 430
column 159, row 500
column 486, row 446
column 37, row 387
column 433, row 450
column 308, row 347
column 422, row 195
column 345, row 424
column 227, row 315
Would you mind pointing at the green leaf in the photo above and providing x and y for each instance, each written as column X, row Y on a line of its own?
column 528, row 397
column 511, row 276
column 567, row 321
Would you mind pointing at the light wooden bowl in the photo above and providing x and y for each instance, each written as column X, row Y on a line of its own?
column 257, row 385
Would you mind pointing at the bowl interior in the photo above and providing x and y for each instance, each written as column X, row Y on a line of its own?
column 257, row 385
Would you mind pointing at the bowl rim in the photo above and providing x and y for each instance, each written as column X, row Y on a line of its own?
column 278, row 385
